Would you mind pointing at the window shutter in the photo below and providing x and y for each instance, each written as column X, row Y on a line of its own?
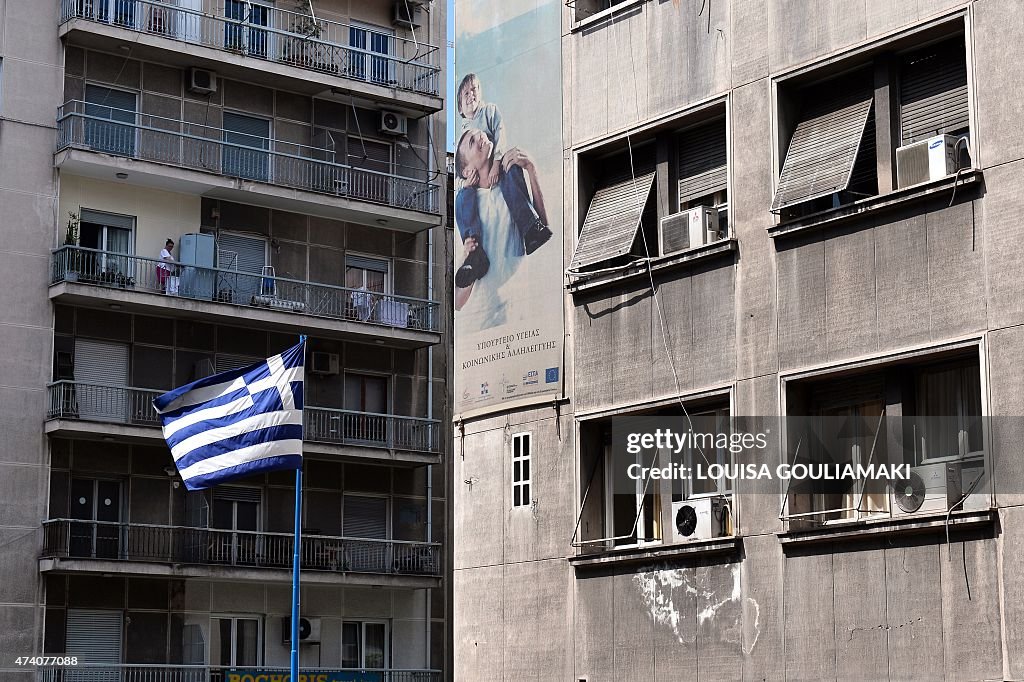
column 250, row 253
column 226, row 362
column 933, row 91
column 612, row 221
column 94, row 636
column 247, row 131
column 99, row 99
column 702, row 161
column 237, row 493
column 366, row 517
column 374, row 264
column 824, row 146
column 123, row 222
column 99, row 362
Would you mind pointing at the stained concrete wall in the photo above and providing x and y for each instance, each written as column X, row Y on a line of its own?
column 915, row 276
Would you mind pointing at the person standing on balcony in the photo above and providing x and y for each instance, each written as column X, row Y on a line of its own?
column 164, row 267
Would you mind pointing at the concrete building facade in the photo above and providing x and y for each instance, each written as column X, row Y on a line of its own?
column 290, row 151
column 827, row 278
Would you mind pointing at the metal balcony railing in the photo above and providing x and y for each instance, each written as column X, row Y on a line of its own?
column 230, row 287
column 123, row 132
column 269, row 33
column 75, row 539
column 101, row 672
column 125, row 405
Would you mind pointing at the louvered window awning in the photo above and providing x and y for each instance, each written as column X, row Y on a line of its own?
column 702, row 161
column 612, row 221
column 823, row 149
column 933, row 91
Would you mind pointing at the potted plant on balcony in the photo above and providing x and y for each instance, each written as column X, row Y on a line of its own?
column 73, row 262
column 303, row 48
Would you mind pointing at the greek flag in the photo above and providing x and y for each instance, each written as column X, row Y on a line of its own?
column 238, row 423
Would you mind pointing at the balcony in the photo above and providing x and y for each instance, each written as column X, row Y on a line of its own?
column 78, row 409
column 87, row 276
column 73, row 545
column 102, row 672
column 100, row 141
column 324, row 53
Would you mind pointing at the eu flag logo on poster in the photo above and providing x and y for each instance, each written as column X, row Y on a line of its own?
column 550, row 375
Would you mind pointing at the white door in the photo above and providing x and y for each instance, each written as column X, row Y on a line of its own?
column 101, row 374
column 94, row 636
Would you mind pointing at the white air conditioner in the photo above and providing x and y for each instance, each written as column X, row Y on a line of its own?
column 688, row 229
column 931, row 488
column 201, row 81
column 701, row 518
column 931, row 159
column 309, row 630
column 407, row 14
column 392, row 123
column 325, row 364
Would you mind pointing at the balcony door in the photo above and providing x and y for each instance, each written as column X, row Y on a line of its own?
column 94, row 637
column 101, row 376
column 95, row 503
column 236, row 641
column 364, row 644
column 110, row 120
column 245, row 255
column 111, row 234
column 364, row 520
column 246, row 29
column 371, row 164
column 368, row 60
column 246, row 139
column 367, row 395
column 367, row 276
column 237, row 509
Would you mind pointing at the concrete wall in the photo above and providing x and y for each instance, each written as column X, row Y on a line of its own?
column 915, row 276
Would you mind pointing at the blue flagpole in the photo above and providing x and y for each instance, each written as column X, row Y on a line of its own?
column 295, row 566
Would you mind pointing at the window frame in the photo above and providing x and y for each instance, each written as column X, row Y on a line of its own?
column 362, row 642
column 522, row 486
column 216, row 618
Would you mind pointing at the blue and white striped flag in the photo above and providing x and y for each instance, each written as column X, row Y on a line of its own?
column 236, row 423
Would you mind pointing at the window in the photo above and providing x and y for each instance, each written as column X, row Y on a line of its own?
column 364, row 644
column 365, row 522
column 923, row 414
column 110, row 234
column 370, row 274
column 247, row 35
column 371, row 161
column 243, row 136
column 97, row 505
column 110, row 120
column 368, row 42
column 236, row 641
column 521, row 492
column 245, row 255
column 714, row 420
column 237, row 509
column 620, row 186
column 840, row 146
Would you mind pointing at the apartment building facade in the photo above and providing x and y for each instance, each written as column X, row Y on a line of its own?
column 289, row 151
column 754, row 229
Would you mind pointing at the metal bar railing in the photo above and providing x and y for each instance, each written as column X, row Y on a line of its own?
column 101, row 672
column 122, row 132
column 345, row 427
column 126, row 405
column 117, row 270
column 83, row 539
column 278, row 35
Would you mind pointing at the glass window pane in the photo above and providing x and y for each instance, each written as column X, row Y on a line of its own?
column 248, row 515
column 375, row 281
column 517, row 472
column 350, row 657
column 516, row 496
column 223, row 514
column 224, row 629
column 247, row 645
column 375, row 645
column 526, row 470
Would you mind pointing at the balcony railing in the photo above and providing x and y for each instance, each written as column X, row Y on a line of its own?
column 124, row 405
column 101, row 672
column 230, row 287
column 123, row 132
column 74, row 539
column 353, row 52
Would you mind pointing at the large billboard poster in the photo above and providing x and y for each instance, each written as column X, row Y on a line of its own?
column 509, row 327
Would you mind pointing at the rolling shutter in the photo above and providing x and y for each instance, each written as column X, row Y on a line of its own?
column 238, row 493
column 365, row 517
column 247, row 131
column 116, row 105
column 612, row 221
column 933, row 91
column 227, row 362
column 824, row 146
column 94, row 637
column 105, row 364
column 702, row 167
column 241, row 253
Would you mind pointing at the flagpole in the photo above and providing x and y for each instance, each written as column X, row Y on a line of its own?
column 295, row 564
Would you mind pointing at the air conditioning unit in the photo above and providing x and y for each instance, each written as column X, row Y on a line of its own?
column 325, row 364
column 392, row 123
column 201, row 81
column 309, row 630
column 688, row 229
column 701, row 518
column 931, row 488
column 931, row 159
column 407, row 14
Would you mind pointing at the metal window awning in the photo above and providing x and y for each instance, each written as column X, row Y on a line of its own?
column 823, row 149
column 612, row 221
column 702, row 161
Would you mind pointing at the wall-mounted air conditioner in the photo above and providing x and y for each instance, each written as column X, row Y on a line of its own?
column 926, row 160
column 931, row 488
column 701, row 518
column 201, row 81
column 325, row 364
column 392, row 123
column 688, row 229
column 407, row 14
column 309, row 630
